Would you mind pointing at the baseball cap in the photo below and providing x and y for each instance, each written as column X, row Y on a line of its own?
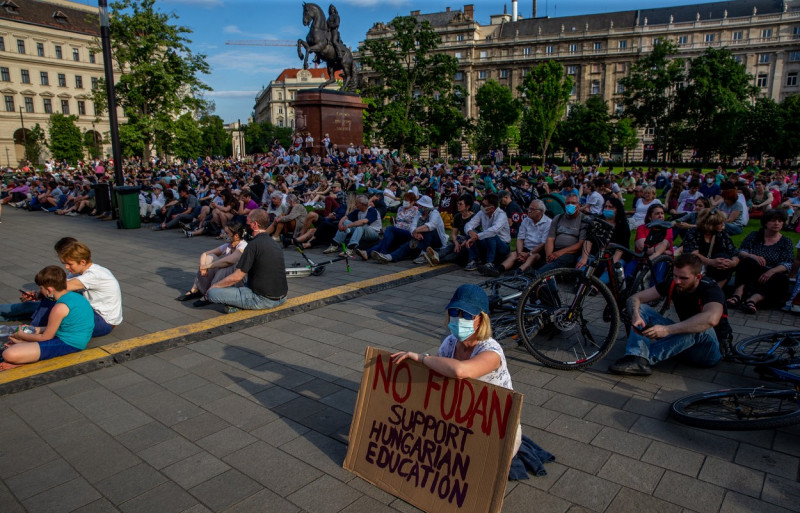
column 469, row 298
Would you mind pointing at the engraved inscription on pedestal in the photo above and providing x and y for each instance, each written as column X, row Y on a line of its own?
column 343, row 122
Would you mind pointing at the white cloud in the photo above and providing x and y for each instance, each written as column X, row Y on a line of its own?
column 375, row 3
column 250, row 63
column 232, row 94
column 231, row 29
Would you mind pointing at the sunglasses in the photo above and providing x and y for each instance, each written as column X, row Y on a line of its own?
column 455, row 312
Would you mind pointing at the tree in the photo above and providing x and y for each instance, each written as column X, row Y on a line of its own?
column 411, row 84
column 625, row 136
column 66, row 141
column 214, row 136
column 545, row 91
column 789, row 146
column 91, row 145
column 499, row 111
column 713, row 103
column 763, row 127
column 34, row 140
column 588, row 127
column 650, row 93
column 258, row 137
column 188, row 140
column 158, row 71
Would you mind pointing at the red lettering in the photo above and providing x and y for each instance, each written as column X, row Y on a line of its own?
column 395, row 394
column 502, row 418
column 381, row 372
column 432, row 385
column 461, row 415
column 448, row 414
column 479, row 408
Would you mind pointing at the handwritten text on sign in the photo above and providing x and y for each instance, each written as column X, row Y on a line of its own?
column 440, row 443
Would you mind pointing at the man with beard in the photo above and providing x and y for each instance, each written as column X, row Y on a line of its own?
column 700, row 305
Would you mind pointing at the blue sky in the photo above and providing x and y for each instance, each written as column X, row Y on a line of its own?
column 238, row 73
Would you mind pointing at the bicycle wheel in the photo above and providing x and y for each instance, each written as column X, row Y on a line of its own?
column 561, row 323
column 739, row 409
column 645, row 279
column 504, row 326
column 769, row 347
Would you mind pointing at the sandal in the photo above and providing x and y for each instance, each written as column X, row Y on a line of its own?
column 734, row 301
column 749, row 307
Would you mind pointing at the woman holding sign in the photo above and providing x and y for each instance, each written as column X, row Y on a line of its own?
column 469, row 351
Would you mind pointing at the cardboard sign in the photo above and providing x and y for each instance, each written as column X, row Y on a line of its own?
column 441, row 444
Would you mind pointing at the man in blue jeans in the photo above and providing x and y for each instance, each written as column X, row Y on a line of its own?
column 489, row 234
column 362, row 223
column 700, row 305
column 262, row 264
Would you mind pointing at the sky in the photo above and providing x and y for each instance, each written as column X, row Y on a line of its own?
column 238, row 73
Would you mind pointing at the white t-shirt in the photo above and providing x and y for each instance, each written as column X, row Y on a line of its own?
column 500, row 376
column 641, row 211
column 103, row 293
column 686, row 201
column 595, row 202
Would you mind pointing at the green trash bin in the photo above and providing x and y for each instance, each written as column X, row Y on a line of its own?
column 128, row 204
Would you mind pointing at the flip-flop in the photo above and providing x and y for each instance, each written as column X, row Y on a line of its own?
column 734, row 301
column 749, row 307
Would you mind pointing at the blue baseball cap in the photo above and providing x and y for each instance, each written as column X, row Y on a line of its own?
column 469, row 298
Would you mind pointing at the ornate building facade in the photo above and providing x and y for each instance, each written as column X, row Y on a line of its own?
column 597, row 50
column 274, row 103
column 48, row 65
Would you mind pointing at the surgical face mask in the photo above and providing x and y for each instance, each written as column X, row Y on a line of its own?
column 406, row 204
column 608, row 214
column 571, row 209
column 462, row 329
column 709, row 181
column 487, row 210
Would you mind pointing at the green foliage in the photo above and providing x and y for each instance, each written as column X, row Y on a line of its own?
column 625, row 135
column 499, row 111
column 258, row 137
column 651, row 91
column 34, row 142
column 789, row 145
column 132, row 139
column 415, row 102
column 158, row 71
column 587, row 127
column 214, row 136
column 545, row 91
column 188, row 141
column 66, row 141
column 93, row 147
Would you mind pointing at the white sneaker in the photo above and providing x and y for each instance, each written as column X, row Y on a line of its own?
column 347, row 253
column 420, row 259
column 333, row 248
column 431, row 256
column 382, row 258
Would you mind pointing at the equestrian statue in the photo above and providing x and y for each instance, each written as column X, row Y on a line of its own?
column 324, row 41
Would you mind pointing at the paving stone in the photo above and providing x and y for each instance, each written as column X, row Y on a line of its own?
column 569, row 405
column 585, row 489
column 39, row 479
column 786, row 443
column 647, row 407
column 781, row 492
column 265, row 501
column 343, row 399
column 537, row 416
column 225, row 490
column 280, row 431
column 184, row 383
column 206, row 393
column 771, row 462
column 337, row 495
column 98, row 457
column 124, row 422
column 674, row 458
column 98, row 506
column 168, row 452
column 47, row 413
column 62, row 498
column 738, row 503
column 621, row 442
column 195, row 469
column 689, row 492
column 571, row 453
column 165, row 498
column 226, row 441
column 686, row 437
column 130, row 483
column 732, row 476
column 73, row 386
column 631, row 473
column 200, row 426
column 240, row 412
column 612, row 417
column 9, row 503
column 575, row 428
column 367, row 505
column 522, row 497
column 167, row 408
column 273, row 468
column 146, row 436
column 628, row 501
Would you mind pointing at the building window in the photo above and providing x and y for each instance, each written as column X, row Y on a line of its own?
column 48, row 106
column 44, row 78
column 4, row 75
column 65, row 107
column 682, row 40
column 9, row 103
column 59, row 55
column 20, row 46
column 26, row 76
column 460, row 37
column 574, row 90
column 595, row 68
column 94, row 109
column 763, row 58
column 280, row 123
column 95, row 83
column 459, row 55
column 761, row 81
column 76, row 55
column 794, row 56
column 550, row 49
column 738, row 36
column 709, row 38
column 738, row 58
column 621, row 67
column 81, row 108
column 526, row 50
column 482, row 75
column 28, row 104
column 484, row 54
column 656, row 40
column 619, row 109
column 791, row 79
column 280, row 110
column 40, row 49
column 597, row 46
column 623, row 45
column 573, row 48
column 459, row 75
column 595, row 89
column 572, row 69
column 62, row 80
column 2, row 44
column 92, row 57
column 766, row 33
column 503, row 73
column 620, row 88
column 649, row 131
column 78, row 82
column 795, row 32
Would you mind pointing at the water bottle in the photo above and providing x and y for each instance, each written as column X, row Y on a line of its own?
column 619, row 274
column 7, row 331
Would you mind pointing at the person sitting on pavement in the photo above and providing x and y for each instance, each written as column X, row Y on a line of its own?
column 217, row 264
column 263, row 266
column 362, row 223
column 428, row 233
column 398, row 233
column 147, row 211
column 493, row 239
column 700, row 305
column 530, row 242
column 69, row 325
column 455, row 250
column 565, row 238
column 731, row 207
column 184, row 212
column 613, row 213
column 276, row 207
column 289, row 224
column 513, row 211
column 711, row 243
column 390, row 196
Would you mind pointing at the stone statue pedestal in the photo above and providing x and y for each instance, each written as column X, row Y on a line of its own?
column 338, row 114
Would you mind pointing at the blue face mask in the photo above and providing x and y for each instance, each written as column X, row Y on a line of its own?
column 571, row 209
column 608, row 214
column 462, row 329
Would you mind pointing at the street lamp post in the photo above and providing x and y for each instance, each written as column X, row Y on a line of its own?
column 105, row 41
column 24, row 136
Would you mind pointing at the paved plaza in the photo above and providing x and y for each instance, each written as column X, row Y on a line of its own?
column 257, row 419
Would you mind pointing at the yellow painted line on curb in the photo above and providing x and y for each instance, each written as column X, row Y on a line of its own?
column 34, row 369
column 105, row 351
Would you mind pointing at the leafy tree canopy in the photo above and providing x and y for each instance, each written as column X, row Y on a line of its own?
column 66, row 141
column 498, row 112
column 545, row 91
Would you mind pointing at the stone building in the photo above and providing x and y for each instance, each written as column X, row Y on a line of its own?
column 48, row 65
column 274, row 103
column 597, row 50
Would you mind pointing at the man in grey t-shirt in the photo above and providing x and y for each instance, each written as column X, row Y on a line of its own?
column 565, row 240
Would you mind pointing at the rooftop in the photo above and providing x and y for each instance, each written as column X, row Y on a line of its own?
column 60, row 15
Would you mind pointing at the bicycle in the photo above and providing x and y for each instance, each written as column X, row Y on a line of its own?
column 755, row 407
column 569, row 319
column 503, row 293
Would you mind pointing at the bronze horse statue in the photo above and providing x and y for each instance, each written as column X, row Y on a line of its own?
column 323, row 40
